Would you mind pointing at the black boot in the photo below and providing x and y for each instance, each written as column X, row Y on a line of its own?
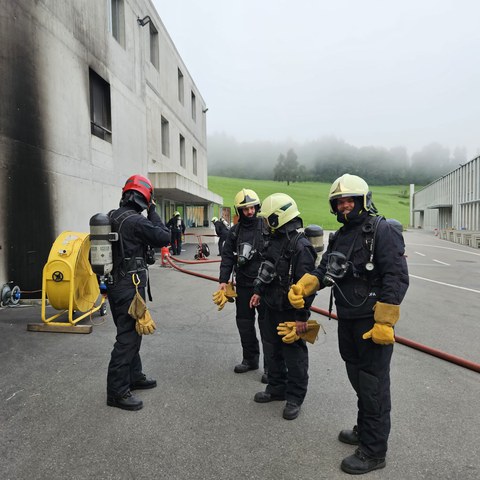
column 265, row 378
column 291, row 411
column 359, row 463
column 143, row 383
column 245, row 366
column 265, row 397
column 125, row 402
column 349, row 436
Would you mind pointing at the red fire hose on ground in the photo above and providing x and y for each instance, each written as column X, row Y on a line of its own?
column 462, row 362
column 419, row 346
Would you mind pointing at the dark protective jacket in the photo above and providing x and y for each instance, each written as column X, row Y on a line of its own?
column 137, row 232
column 252, row 232
column 293, row 256
column 221, row 229
column 358, row 291
column 176, row 224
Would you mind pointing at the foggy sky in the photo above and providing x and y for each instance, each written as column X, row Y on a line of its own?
column 370, row 72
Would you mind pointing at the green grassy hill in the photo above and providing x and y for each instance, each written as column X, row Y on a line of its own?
column 312, row 198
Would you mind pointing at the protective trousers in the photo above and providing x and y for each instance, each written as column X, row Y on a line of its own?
column 287, row 363
column 246, row 326
column 368, row 369
column 176, row 242
column 125, row 365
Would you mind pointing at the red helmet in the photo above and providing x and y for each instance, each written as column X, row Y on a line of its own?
column 140, row 184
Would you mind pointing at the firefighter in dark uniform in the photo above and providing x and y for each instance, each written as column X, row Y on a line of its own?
column 286, row 258
column 366, row 268
column 241, row 255
column 221, row 229
column 136, row 233
column 177, row 228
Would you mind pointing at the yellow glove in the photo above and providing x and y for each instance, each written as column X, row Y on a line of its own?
column 220, row 299
column 381, row 334
column 291, row 337
column 145, row 325
column 386, row 316
column 230, row 293
column 283, row 328
column 305, row 287
column 313, row 327
column 288, row 331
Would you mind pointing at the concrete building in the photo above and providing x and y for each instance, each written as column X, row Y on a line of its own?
column 450, row 206
column 92, row 91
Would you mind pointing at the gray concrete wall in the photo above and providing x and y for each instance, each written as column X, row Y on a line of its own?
column 55, row 173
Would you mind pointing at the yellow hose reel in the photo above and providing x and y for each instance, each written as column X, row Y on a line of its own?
column 68, row 280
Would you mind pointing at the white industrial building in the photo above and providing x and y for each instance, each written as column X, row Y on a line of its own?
column 450, row 206
column 92, row 91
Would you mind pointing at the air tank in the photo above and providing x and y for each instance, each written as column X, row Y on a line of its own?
column 101, row 256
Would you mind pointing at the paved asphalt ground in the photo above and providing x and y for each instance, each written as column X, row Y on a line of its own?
column 201, row 421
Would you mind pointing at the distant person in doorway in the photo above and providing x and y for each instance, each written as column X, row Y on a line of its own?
column 177, row 229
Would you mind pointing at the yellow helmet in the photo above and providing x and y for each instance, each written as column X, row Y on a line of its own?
column 278, row 209
column 350, row 186
column 245, row 198
column 176, row 214
column 214, row 219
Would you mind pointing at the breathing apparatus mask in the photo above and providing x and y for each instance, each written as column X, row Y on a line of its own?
column 245, row 254
column 150, row 255
column 337, row 267
column 266, row 273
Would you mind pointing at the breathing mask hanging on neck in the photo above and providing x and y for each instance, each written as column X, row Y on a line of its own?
column 266, row 273
column 245, row 254
column 337, row 267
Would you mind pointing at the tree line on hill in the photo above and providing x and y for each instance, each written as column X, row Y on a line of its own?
column 326, row 159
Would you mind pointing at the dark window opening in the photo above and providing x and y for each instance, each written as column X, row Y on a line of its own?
column 100, row 108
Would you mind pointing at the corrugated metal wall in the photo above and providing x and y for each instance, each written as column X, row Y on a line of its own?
column 451, row 202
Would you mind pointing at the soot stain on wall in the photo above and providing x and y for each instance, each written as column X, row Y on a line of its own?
column 28, row 214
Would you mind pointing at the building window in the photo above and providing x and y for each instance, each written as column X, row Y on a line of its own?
column 153, row 45
column 182, row 151
column 117, row 21
column 100, row 110
column 180, row 86
column 194, row 160
column 194, row 107
column 165, row 137
column 196, row 216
